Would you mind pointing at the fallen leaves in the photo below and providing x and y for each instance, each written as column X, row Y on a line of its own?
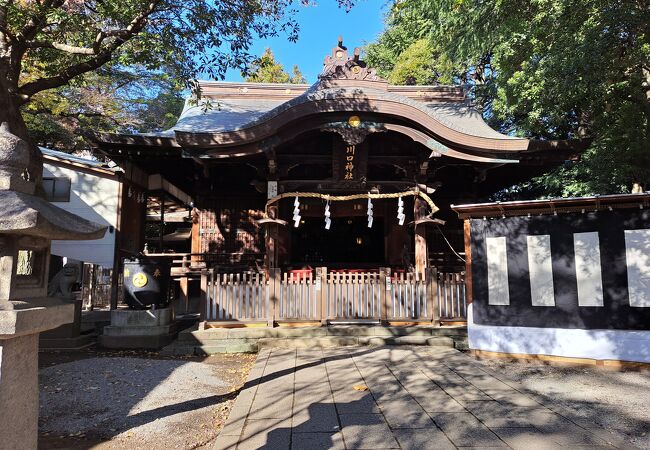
column 360, row 387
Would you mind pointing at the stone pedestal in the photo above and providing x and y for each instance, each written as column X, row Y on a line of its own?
column 151, row 329
column 28, row 223
column 68, row 336
column 20, row 324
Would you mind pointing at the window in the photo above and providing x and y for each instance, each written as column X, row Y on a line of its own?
column 57, row 189
column 26, row 260
column 30, row 268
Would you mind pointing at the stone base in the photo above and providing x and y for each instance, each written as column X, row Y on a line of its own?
column 69, row 330
column 66, row 344
column 68, row 336
column 147, row 329
column 136, row 342
column 20, row 323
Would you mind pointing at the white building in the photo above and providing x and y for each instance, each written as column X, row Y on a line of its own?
column 89, row 189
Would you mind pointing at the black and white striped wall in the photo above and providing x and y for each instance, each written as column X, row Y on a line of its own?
column 574, row 284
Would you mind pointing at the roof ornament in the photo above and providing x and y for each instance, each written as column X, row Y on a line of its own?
column 339, row 66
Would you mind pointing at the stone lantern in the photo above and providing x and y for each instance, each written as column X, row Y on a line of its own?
column 28, row 223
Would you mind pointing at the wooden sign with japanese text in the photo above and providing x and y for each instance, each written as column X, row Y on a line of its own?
column 349, row 162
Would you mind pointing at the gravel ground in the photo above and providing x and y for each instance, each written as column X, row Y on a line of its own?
column 137, row 403
column 618, row 401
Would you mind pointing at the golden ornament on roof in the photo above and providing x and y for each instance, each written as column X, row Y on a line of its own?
column 354, row 121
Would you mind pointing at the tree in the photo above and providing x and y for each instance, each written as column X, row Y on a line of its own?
column 108, row 100
column 421, row 63
column 549, row 69
column 265, row 69
column 46, row 44
column 296, row 76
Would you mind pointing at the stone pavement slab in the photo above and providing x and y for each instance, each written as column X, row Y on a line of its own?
column 317, row 441
column 385, row 397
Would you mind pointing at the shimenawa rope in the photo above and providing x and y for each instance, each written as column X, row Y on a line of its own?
column 342, row 198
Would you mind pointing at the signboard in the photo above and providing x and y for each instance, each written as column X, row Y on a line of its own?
column 349, row 162
column 271, row 189
column 349, row 167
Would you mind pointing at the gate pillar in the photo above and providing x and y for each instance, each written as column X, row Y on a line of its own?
column 421, row 257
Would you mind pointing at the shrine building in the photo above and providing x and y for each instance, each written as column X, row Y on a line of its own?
column 351, row 175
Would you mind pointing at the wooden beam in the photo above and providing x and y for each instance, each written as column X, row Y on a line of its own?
column 271, row 238
column 195, row 246
column 421, row 258
column 468, row 262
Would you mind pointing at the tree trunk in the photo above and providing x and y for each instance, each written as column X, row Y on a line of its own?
column 10, row 114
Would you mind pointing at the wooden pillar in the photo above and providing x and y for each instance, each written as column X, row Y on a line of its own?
column 421, row 257
column 385, row 293
column 321, row 294
column 274, row 295
column 271, row 240
column 468, row 261
column 184, row 297
column 117, row 266
column 162, row 223
column 433, row 302
column 195, row 246
column 206, row 278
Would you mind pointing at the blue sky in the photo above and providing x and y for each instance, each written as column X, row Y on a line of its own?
column 320, row 26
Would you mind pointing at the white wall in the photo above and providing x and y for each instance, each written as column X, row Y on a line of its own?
column 94, row 198
column 619, row 345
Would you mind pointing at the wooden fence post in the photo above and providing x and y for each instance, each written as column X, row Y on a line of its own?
column 433, row 302
column 321, row 295
column 469, row 290
column 204, row 296
column 274, row 294
column 385, row 286
column 184, row 297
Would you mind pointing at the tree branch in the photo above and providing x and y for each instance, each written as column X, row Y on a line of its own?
column 102, row 56
column 37, row 20
column 76, row 115
column 63, row 47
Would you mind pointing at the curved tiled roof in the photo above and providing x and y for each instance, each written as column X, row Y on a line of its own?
column 246, row 118
column 235, row 114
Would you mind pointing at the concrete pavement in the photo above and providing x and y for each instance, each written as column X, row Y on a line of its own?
column 392, row 398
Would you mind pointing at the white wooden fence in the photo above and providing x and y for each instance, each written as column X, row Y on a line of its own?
column 323, row 296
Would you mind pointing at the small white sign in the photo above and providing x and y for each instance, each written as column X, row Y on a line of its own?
column 388, row 283
column 272, row 189
column 318, row 284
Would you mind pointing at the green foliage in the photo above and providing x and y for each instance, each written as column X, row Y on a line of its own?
column 48, row 48
column 420, row 63
column 265, row 69
column 296, row 76
column 108, row 100
column 546, row 69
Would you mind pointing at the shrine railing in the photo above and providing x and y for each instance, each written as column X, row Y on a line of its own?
column 332, row 297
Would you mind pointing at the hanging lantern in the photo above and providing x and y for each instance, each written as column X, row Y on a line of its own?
column 400, row 211
column 296, row 212
column 370, row 218
column 328, row 221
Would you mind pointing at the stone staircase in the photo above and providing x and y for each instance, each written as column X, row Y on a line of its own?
column 194, row 341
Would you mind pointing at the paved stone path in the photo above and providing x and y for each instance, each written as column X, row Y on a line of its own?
column 417, row 398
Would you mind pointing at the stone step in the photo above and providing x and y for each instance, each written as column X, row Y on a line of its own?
column 316, row 342
column 205, row 350
column 251, row 346
column 241, row 340
column 437, row 341
column 208, row 336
